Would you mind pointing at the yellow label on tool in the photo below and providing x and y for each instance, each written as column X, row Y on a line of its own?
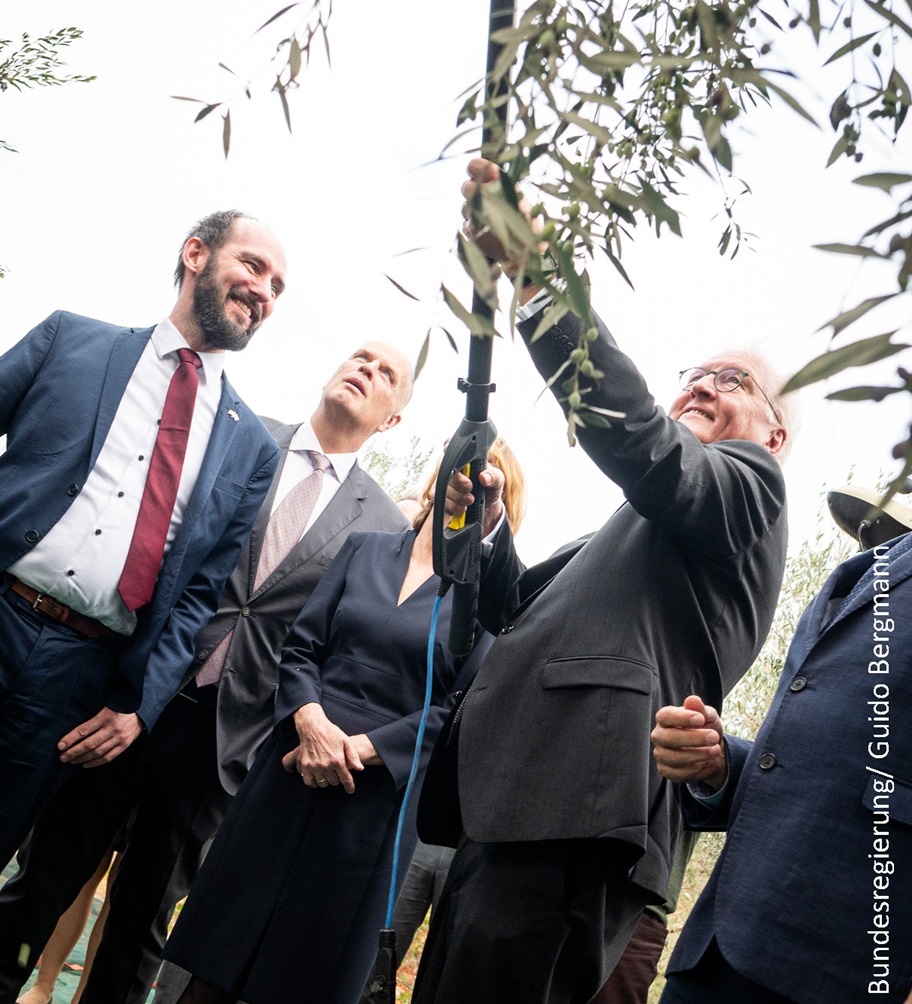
column 458, row 522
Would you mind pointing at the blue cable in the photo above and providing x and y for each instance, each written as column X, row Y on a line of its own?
column 415, row 759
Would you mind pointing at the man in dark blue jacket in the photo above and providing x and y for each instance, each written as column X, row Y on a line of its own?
column 108, row 571
column 808, row 901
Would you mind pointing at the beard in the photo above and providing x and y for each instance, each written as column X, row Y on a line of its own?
column 219, row 331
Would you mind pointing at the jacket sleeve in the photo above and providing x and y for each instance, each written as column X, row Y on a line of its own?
column 19, row 365
column 697, row 815
column 307, row 643
column 499, row 590
column 719, row 498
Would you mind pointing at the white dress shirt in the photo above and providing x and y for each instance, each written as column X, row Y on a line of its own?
column 80, row 560
column 298, row 466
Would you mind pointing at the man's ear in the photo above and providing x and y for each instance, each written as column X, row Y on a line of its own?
column 394, row 419
column 195, row 255
column 775, row 443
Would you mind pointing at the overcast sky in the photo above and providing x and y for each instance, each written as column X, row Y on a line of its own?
column 110, row 175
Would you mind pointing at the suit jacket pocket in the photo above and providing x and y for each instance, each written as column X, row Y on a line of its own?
column 229, row 487
column 598, row 671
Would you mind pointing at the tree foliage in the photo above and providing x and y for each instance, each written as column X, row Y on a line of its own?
column 292, row 53
column 399, row 475
column 612, row 107
column 35, row 63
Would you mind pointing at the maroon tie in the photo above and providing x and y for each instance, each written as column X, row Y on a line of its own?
column 137, row 581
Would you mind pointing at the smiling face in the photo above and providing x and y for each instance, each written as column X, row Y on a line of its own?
column 370, row 388
column 234, row 288
column 713, row 416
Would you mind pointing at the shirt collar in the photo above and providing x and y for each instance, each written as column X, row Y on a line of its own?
column 306, row 439
column 166, row 340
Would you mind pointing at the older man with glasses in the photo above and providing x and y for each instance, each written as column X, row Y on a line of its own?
column 726, row 380
column 568, row 828
column 725, row 399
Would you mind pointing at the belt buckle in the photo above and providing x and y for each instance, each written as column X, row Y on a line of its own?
column 47, row 605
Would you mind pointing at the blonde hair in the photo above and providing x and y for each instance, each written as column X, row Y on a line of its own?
column 514, row 492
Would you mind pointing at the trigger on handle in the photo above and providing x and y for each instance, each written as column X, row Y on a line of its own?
column 458, row 522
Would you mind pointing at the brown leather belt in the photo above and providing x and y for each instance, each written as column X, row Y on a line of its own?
column 60, row 612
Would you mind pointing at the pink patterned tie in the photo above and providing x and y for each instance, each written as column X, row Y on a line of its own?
column 286, row 526
column 137, row 581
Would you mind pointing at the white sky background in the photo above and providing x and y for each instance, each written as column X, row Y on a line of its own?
column 111, row 174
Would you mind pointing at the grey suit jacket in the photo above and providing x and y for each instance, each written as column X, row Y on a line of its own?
column 673, row 595
column 262, row 619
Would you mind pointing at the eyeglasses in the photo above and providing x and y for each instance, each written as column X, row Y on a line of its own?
column 725, row 381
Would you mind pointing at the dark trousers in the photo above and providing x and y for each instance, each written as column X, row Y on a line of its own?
column 529, row 923
column 61, row 854
column 170, row 783
column 180, row 805
column 422, row 889
column 51, row 680
column 713, row 981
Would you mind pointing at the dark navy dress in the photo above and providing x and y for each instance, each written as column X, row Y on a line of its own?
column 292, row 895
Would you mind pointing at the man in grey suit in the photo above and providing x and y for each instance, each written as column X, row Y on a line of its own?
column 198, row 754
column 569, row 830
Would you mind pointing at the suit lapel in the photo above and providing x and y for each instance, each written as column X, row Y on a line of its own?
column 125, row 353
column 224, row 429
column 818, row 620
column 837, row 585
column 896, row 569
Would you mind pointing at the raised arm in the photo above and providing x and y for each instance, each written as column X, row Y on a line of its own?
column 719, row 497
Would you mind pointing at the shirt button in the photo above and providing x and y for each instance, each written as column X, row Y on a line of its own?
column 70, row 571
column 98, row 533
column 120, row 495
column 202, row 655
column 141, row 457
column 32, row 536
column 73, row 490
column 245, row 612
column 799, row 683
column 767, row 761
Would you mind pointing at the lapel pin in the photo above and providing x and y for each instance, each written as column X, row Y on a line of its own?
column 233, row 415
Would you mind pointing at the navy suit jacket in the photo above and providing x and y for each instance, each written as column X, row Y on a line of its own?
column 59, row 390
column 811, row 868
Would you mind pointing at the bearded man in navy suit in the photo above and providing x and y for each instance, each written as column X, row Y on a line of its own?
column 80, row 403
column 179, row 782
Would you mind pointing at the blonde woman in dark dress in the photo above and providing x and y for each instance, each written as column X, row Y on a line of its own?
column 293, row 893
